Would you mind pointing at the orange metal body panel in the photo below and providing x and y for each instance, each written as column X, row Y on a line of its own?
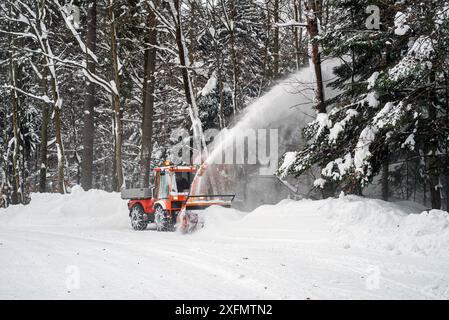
column 147, row 204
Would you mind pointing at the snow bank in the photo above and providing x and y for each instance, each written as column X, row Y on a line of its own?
column 348, row 221
column 378, row 224
column 94, row 208
column 287, row 220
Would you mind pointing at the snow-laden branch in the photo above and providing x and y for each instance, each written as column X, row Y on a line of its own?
column 91, row 76
column 291, row 23
column 161, row 18
column 162, row 49
column 38, row 74
column 83, row 46
column 19, row 34
column 27, row 8
column 45, row 98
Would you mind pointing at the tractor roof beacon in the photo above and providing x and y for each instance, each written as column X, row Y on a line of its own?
column 168, row 201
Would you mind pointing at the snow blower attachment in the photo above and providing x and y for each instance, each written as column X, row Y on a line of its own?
column 191, row 217
column 170, row 202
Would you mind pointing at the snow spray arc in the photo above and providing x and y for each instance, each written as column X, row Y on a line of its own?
column 279, row 115
column 246, row 146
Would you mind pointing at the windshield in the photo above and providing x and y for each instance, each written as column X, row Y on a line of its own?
column 181, row 182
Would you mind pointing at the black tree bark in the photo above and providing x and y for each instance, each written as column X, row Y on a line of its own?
column 148, row 98
column 89, row 103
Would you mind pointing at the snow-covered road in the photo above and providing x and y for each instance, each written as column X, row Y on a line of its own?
column 232, row 258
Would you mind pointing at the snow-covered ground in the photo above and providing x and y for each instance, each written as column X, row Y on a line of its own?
column 81, row 245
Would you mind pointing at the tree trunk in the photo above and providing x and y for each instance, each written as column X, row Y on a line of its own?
column 221, row 113
column 320, row 107
column 446, row 82
column 115, row 78
column 424, row 179
column 385, row 175
column 297, row 33
column 44, row 138
column 218, row 61
column 57, row 101
column 16, row 192
column 312, row 28
column 235, row 66
column 276, row 39
column 148, row 99
column 89, row 102
column 230, row 23
column 434, row 179
column 266, row 55
column 188, row 89
column 58, row 136
column 191, row 32
column 60, row 149
column 312, row 15
column 198, row 136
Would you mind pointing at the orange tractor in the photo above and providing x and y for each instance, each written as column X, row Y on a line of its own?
column 168, row 202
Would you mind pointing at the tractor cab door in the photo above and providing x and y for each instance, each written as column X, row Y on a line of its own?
column 155, row 188
column 161, row 185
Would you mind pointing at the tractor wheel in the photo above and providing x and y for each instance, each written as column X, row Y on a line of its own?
column 169, row 225
column 138, row 219
column 159, row 218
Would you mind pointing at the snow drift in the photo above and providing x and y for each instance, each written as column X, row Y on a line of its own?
column 348, row 221
column 86, row 209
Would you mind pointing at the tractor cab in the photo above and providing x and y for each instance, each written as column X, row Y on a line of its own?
column 171, row 186
column 161, row 202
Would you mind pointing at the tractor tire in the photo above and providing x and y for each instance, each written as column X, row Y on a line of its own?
column 171, row 225
column 139, row 221
column 163, row 223
column 159, row 218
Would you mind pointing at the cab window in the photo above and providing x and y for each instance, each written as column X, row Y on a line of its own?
column 164, row 184
column 183, row 181
column 156, row 184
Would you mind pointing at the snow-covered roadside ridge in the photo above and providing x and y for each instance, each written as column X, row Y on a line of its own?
column 83, row 209
column 378, row 224
column 348, row 221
